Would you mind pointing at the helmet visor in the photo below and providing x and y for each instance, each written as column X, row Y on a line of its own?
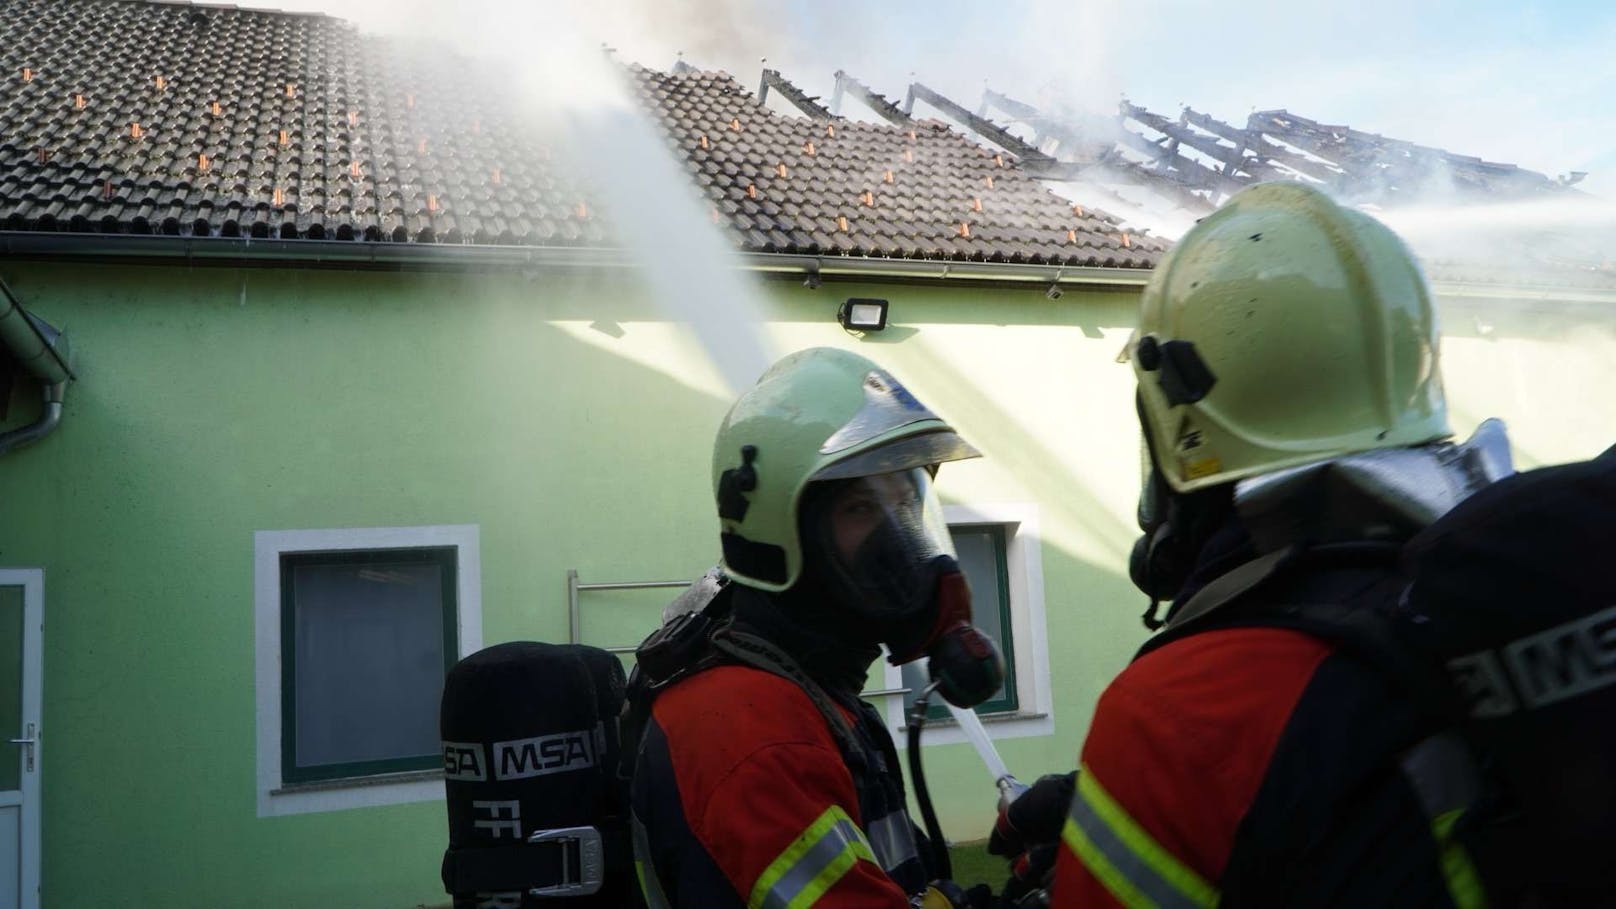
column 927, row 449
column 883, row 539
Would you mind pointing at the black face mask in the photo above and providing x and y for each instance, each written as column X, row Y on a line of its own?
column 1176, row 526
column 900, row 585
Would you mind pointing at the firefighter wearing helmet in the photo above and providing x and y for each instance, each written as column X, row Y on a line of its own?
column 762, row 778
column 1292, row 408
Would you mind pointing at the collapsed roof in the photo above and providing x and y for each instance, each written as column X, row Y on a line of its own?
column 174, row 119
column 1200, row 160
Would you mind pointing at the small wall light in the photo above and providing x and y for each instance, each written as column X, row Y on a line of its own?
column 863, row 314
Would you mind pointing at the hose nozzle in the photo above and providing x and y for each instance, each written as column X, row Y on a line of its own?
column 1010, row 789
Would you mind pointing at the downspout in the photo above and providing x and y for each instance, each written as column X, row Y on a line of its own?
column 46, row 354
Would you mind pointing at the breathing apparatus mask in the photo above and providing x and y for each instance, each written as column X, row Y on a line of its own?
column 1174, row 527
column 882, row 550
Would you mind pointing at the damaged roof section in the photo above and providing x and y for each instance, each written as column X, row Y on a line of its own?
column 913, row 189
column 1360, row 166
column 167, row 118
column 1373, row 166
column 1470, row 220
column 1197, row 160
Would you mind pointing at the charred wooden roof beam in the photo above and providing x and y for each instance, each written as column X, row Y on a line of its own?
column 886, row 109
column 987, row 129
column 1190, row 172
column 1253, row 141
column 808, row 104
column 1370, row 159
column 1180, row 134
column 1076, row 144
column 1021, row 110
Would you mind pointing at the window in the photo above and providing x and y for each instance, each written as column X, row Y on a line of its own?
column 355, row 632
column 999, row 551
column 366, row 638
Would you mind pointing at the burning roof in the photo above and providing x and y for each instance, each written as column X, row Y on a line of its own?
column 192, row 120
column 172, row 119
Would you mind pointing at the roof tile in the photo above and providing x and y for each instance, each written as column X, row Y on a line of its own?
column 218, row 121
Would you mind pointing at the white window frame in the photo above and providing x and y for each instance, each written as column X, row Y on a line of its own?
column 274, row 797
column 1024, row 568
column 32, row 582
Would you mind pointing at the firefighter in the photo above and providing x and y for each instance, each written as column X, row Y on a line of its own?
column 1294, row 418
column 762, row 779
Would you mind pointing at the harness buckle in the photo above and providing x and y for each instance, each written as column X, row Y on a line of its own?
column 582, row 843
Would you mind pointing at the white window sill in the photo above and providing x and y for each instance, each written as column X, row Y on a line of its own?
column 354, row 792
column 354, row 782
column 988, row 719
column 999, row 726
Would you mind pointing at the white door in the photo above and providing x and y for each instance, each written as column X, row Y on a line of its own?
column 22, row 594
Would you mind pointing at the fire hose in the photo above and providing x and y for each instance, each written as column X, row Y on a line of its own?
column 1009, row 787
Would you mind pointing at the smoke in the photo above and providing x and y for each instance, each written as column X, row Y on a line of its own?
column 570, row 91
column 732, row 34
column 1521, row 83
column 740, row 31
column 692, row 272
column 1517, row 240
column 1505, row 84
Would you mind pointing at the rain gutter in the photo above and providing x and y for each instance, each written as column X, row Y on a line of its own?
column 358, row 254
column 45, row 354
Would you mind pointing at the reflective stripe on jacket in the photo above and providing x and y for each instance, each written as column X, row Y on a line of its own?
column 1254, row 767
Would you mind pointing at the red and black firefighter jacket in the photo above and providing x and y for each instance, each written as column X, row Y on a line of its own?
column 1259, row 766
column 742, row 797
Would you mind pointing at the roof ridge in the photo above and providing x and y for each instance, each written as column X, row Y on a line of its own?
column 232, row 7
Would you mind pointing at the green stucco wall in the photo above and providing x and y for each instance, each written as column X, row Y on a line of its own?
column 572, row 423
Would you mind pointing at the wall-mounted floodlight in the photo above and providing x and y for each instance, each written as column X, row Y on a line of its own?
column 863, row 314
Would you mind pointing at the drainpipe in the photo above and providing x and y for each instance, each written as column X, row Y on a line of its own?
column 46, row 354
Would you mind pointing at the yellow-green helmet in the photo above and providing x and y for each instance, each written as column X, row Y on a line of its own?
column 1283, row 329
column 818, row 414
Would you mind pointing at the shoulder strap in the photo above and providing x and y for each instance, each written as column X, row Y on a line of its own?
column 1209, row 603
column 701, row 640
column 1231, row 586
column 1360, row 620
column 1372, row 635
column 751, row 650
column 676, row 649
